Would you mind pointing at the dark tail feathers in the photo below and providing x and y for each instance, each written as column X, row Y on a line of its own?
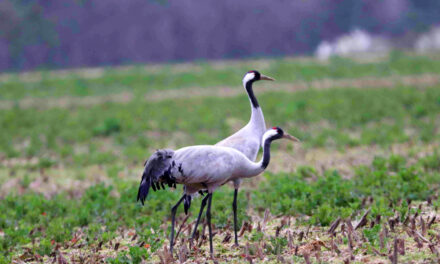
column 144, row 188
column 157, row 171
column 187, row 203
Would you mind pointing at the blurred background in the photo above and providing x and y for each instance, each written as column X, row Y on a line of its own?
column 78, row 33
column 90, row 89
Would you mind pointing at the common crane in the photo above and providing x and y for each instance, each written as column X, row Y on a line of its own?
column 248, row 139
column 202, row 167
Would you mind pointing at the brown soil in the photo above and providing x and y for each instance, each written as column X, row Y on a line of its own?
column 424, row 80
column 54, row 180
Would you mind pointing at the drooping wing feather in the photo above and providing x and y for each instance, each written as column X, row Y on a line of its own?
column 156, row 171
column 187, row 203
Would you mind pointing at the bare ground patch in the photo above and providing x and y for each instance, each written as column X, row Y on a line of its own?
column 346, row 161
column 342, row 242
column 274, row 239
column 50, row 182
column 74, row 181
column 423, row 80
column 98, row 72
column 67, row 102
column 287, row 160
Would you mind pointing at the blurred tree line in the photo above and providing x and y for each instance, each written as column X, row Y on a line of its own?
column 76, row 33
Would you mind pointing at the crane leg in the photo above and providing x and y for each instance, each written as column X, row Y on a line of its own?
column 234, row 208
column 202, row 206
column 208, row 217
column 173, row 219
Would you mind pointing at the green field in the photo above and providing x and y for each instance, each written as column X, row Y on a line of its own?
column 72, row 145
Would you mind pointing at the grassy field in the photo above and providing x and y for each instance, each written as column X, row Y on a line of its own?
column 362, row 187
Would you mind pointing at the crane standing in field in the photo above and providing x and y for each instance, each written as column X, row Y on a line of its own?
column 247, row 140
column 202, row 167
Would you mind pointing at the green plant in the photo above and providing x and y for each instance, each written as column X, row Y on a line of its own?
column 276, row 245
column 138, row 254
column 372, row 234
column 109, row 126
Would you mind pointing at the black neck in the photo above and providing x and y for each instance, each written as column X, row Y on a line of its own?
column 251, row 95
column 266, row 153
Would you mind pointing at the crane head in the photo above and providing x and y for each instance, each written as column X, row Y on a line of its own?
column 276, row 133
column 252, row 76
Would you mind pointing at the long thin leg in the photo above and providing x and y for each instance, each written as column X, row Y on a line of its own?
column 208, row 217
column 173, row 219
column 234, row 208
column 202, row 206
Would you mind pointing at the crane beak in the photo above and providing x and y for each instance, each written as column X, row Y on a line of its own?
column 290, row 137
column 267, row 78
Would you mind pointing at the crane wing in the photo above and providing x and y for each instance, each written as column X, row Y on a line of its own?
column 157, row 170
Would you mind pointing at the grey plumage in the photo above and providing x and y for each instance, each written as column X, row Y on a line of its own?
column 205, row 168
column 157, row 170
column 248, row 139
column 200, row 168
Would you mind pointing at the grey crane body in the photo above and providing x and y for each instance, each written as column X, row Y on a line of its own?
column 247, row 140
column 208, row 167
column 205, row 168
column 202, row 167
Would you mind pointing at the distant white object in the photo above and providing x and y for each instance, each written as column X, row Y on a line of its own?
column 357, row 42
column 324, row 50
column 429, row 41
